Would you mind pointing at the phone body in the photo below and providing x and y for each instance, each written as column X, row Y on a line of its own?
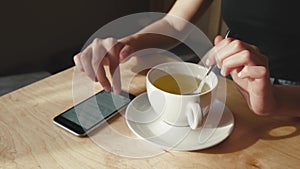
column 92, row 112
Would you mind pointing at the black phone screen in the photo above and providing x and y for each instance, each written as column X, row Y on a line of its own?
column 92, row 111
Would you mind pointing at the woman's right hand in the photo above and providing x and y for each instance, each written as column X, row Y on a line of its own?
column 102, row 52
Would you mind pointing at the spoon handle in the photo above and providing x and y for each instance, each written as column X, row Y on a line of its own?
column 199, row 89
column 203, row 80
column 212, row 66
column 209, row 70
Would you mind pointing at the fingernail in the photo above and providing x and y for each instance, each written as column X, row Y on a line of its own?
column 222, row 72
column 106, row 88
column 239, row 74
column 125, row 53
column 116, row 92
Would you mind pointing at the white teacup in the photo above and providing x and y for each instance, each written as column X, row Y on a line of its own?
column 180, row 109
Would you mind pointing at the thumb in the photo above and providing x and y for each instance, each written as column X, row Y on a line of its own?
column 125, row 53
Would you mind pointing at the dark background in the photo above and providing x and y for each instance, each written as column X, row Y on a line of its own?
column 44, row 35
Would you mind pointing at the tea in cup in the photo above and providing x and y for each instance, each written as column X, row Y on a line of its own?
column 168, row 85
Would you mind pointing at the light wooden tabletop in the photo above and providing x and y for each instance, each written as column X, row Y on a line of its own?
column 29, row 139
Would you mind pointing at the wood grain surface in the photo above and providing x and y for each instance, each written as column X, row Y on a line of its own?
column 29, row 139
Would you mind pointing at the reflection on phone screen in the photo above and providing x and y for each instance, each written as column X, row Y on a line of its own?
column 95, row 109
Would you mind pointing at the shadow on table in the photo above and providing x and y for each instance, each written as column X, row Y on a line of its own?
column 250, row 128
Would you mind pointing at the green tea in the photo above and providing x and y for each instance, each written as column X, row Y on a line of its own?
column 179, row 84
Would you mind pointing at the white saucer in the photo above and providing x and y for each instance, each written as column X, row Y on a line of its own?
column 145, row 124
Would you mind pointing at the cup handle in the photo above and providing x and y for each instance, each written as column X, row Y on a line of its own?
column 194, row 115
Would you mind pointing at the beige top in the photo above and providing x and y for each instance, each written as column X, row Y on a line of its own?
column 29, row 139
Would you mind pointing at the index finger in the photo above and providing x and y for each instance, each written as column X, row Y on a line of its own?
column 220, row 43
column 113, row 49
column 99, row 53
column 103, row 80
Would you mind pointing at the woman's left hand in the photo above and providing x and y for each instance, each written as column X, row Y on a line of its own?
column 249, row 70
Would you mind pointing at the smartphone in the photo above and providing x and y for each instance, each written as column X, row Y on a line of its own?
column 92, row 112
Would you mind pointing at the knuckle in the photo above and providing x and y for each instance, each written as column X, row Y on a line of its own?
column 97, row 41
column 110, row 41
column 85, row 54
column 228, row 40
column 246, row 54
column 225, row 63
column 264, row 71
column 245, row 69
column 238, row 44
column 111, row 46
column 76, row 57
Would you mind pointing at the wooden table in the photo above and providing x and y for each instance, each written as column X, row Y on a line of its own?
column 29, row 139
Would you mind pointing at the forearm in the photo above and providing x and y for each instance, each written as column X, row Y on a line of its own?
column 288, row 100
column 153, row 36
column 159, row 34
